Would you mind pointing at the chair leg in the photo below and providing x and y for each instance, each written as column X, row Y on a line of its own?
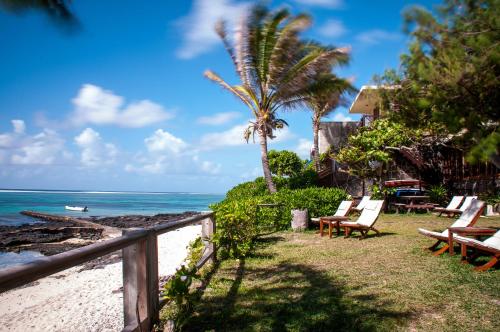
column 363, row 234
column 488, row 265
column 347, row 232
column 441, row 251
column 376, row 231
column 435, row 245
column 337, row 226
column 330, row 229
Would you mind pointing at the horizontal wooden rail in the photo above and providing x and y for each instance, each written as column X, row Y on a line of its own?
column 140, row 267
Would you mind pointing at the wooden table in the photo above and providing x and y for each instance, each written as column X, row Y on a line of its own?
column 423, row 206
column 332, row 221
column 414, row 199
column 471, row 231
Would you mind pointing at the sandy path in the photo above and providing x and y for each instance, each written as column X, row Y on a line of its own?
column 84, row 301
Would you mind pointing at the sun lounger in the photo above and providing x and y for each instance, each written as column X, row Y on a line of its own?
column 362, row 204
column 463, row 207
column 467, row 219
column 454, row 204
column 340, row 214
column 490, row 246
column 366, row 220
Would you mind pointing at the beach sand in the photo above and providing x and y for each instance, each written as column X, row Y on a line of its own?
column 90, row 300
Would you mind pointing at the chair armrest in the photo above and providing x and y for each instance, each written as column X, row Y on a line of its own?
column 334, row 218
column 472, row 230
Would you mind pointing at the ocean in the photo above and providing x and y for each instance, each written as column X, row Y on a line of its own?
column 99, row 203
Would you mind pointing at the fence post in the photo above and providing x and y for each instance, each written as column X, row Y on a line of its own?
column 140, row 283
column 207, row 233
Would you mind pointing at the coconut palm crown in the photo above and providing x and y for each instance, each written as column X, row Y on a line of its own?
column 329, row 92
column 276, row 69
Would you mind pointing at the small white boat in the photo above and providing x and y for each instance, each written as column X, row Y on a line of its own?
column 76, row 208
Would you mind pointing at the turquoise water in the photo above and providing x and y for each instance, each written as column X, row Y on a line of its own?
column 98, row 203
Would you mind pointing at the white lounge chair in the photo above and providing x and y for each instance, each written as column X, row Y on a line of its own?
column 455, row 211
column 490, row 246
column 366, row 220
column 454, row 204
column 467, row 219
column 362, row 204
column 340, row 214
column 342, row 210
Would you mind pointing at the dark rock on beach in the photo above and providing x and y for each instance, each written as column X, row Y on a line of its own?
column 131, row 221
column 59, row 234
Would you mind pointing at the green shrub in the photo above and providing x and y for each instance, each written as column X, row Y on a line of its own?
column 236, row 227
column 438, row 194
column 249, row 189
column 284, row 163
column 318, row 201
column 240, row 220
column 258, row 187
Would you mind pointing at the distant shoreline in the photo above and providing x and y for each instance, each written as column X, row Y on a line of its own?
column 72, row 191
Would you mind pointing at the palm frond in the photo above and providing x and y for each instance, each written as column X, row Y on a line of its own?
column 216, row 78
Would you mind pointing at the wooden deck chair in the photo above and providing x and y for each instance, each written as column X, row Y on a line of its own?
column 366, row 220
column 362, row 204
column 489, row 246
column 453, row 205
column 467, row 219
column 342, row 210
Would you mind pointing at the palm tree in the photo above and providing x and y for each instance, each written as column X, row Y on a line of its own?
column 57, row 10
column 323, row 101
column 275, row 67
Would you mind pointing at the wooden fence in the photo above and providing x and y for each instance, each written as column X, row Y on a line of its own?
column 141, row 303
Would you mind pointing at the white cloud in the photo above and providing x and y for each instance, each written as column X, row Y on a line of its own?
column 230, row 137
column 18, row 148
column 218, row 118
column 332, row 29
column 210, row 167
column 94, row 105
column 95, row 152
column 234, row 137
column 41, row 149
column 163, row 141
column 168, row 154
column 376, row 36
column 198, row 26
column 341, row 117
column 322, row 3
column 304, row 147
column 19, row 126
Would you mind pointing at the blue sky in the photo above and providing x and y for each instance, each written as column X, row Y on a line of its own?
column 123, row 105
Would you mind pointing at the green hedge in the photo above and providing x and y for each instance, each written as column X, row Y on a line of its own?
column 239, row 220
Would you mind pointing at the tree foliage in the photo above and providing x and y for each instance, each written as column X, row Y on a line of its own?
column 449, row 80
column 285, row 163
column 333, row 92
column 58, row 11
column 368, row 152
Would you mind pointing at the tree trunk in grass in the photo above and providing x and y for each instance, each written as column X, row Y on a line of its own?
column 265, row 162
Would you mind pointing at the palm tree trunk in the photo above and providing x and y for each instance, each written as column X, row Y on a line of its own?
column 265, row 162
column 316, row 144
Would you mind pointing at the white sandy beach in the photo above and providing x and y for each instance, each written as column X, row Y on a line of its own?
column 84, row 301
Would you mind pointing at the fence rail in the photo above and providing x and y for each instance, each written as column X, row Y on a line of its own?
column 141, row 303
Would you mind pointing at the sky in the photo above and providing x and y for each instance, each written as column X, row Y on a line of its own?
column 122, row 104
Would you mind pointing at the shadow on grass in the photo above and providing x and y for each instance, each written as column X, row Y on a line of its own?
column 288, row 296
column 369, row 235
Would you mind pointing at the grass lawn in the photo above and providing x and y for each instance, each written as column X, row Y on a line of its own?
column 302, row 282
